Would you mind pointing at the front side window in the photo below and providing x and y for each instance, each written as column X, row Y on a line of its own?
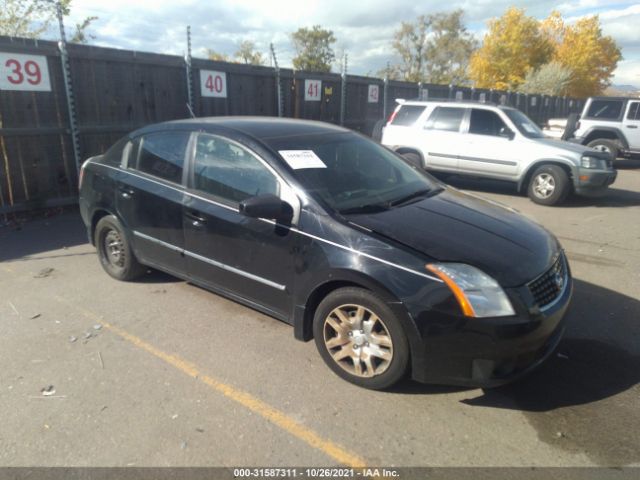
column 605, row 109
column 447, row 119
column 162, row 155
column 227, row 171
column 485, row 122
column 634, row 111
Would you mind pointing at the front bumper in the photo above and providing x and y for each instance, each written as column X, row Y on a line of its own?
column 593, row 182
column 487, row 352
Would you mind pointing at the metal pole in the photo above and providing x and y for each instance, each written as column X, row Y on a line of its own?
column 343, row 90
column 385, row 91
column 278, row 83
column 66, row 75
column 189, row 74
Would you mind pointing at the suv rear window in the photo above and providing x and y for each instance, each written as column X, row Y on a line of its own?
column 445, row 118
column 605, row 109
column 407, row 115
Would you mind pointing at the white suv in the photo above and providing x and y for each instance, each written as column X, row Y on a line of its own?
column 487, row 140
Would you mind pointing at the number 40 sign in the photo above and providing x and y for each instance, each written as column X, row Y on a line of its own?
column 24, row 72
column 213, row 84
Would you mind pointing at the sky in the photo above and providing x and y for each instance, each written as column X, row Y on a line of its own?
column 364, row 29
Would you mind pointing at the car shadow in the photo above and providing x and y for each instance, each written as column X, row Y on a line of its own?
column 584, row 398
column 613, row 197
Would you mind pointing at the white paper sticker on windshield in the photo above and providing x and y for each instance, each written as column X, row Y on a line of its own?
column 299, row 159
column 528, row 127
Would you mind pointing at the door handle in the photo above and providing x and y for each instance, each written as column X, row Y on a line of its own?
column 126, row 192
column 197, row 220
column 632, row 126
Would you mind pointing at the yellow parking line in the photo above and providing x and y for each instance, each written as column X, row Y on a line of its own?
column 275, row 416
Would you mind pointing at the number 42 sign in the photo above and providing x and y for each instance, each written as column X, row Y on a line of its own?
column 24, row 72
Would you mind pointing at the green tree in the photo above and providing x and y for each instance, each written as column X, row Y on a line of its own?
column 552, row 78
column 33, row 18
column 314, row 49
column 410, row 42
column 514, row 45
column 247, row 54
column 448, row 49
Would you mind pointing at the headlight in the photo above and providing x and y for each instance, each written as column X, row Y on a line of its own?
column 478, row 294
column 592, row 162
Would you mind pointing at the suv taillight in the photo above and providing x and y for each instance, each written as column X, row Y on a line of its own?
column 393, row 115
column 81, row 175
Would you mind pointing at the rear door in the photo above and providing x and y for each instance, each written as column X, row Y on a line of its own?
column 632, row 125
column 150, row 197
column 488, row 148
column 243, row 256
column 440, row 139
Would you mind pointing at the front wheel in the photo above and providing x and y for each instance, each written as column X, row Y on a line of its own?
column 549, row 185
column 360, row 338
column 114, row 250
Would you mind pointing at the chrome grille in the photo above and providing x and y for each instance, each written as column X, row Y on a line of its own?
column 548, row 286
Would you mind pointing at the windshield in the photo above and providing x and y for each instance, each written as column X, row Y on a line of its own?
column 524, row 124
column 352, row 174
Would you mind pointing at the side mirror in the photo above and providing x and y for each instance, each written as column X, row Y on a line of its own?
column 266, row 206
column 506, row 132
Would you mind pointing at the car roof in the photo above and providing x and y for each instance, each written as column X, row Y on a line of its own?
column 262, row 128
column 455, row 103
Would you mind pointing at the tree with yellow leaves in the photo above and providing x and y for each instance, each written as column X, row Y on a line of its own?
column 514, row 45
column 517, row 46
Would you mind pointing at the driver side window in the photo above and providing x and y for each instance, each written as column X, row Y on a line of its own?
column 486, row 122
column 227, row 171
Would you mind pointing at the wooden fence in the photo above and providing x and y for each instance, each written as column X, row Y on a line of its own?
column 117, row 91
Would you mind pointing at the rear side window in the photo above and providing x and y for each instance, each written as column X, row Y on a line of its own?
column 407, row 115
column 634, row 111
column 445, row 118
column 605, row 109
column 162, row 155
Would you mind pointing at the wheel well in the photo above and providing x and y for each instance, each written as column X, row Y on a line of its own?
column 402, row 150
column 316, row 297
column 598, row 134
column 525, row 182
column 97, row 215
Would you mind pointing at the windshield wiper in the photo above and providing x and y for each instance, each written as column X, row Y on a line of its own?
column 424, row 193
column 370, row 208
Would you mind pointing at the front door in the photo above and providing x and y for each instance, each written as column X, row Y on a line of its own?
column 632, row 125
column 246, row 257
column 150, row 197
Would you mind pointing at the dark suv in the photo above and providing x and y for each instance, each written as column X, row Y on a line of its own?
column 389, row 270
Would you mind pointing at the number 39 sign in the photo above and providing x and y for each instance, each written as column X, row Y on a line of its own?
column 24, row 72
column 213, row 84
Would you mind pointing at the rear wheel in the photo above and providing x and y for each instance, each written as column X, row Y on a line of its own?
column 549, row 185
column 605, row 145
column 413, row 159
column 114, row 250
column 360, row 338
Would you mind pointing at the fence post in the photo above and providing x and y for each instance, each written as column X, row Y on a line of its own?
column 189, row 73
column 66, row 75
column 278, row 82
column 385, row 91
column 343, row 90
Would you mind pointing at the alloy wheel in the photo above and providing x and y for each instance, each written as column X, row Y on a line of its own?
column 544, row 185
column 358, row 340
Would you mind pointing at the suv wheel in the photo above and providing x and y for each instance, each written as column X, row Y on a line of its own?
column 360, row 338
column 604, row 145
column 114, row 251
column 549, row 185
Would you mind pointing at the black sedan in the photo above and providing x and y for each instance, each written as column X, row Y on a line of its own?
column 389, row 270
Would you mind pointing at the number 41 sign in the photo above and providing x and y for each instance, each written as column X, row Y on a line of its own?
column 24, row 72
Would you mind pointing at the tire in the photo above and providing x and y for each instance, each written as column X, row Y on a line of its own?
column 571, row 126
column 549, row 185
column 413, row 158
column 114, row 250
column 359, row 325
column 376, row 133
column 605, row 145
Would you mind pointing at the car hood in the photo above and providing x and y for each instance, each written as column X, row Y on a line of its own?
column 568, row 147
column 456, row 227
